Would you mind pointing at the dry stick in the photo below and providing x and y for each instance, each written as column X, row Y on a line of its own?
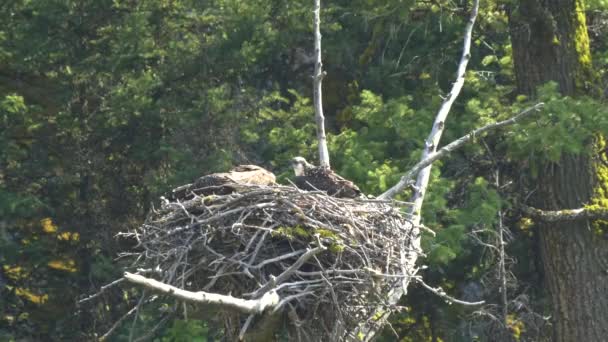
column 117, row 324
column 269, row 299
column 101, row 291
column 441, row 293
column 501, row 261
column 291, row 269
column 407, row 178
column 317, row 80
column 154, row 329
column 367, row 330
column 137, row 308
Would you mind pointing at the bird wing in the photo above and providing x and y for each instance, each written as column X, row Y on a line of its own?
column 321, row 178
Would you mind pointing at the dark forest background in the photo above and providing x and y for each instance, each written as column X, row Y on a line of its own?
column 105, row 105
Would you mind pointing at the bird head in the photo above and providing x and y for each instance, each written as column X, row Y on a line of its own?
column 300, row 165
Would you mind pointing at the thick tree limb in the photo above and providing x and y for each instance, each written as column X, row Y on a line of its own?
column 407, row 179
column 566, row 214
column 317, row 80
column 268, row 300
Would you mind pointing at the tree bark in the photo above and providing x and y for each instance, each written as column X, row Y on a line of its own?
column 550, row 43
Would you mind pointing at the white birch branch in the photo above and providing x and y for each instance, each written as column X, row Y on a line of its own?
column 407, row 178
column 256, row 306
column 317, row 80
column 368, row 330
column 439, row 125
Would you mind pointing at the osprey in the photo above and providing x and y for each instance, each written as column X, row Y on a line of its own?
column 310, row 177
column 225, row 182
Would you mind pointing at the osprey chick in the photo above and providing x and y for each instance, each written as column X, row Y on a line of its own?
column 310, row 177
column 225, row 182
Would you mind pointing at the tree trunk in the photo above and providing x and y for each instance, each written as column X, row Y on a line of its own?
column 550, row 43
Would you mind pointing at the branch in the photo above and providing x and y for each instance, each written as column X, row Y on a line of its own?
column 407, row 179
column 441, row 293
column 373, row 325
column 439, row 125
column 269, row 299
column 291, row 269
column 566, row 214
column 101, row 291
column 317, row 80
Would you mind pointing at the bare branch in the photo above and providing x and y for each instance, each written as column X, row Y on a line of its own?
column 372, row 326
column 296, row 265
column 269, row 299
column 441, row 293
column 566, row 214
column 439, row 125
column 317, row 80
column 117, row 324
column 101, row 291
column 407, row 179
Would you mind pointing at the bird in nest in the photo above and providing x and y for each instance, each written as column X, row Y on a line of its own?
column 314, row 178
column 225, row 182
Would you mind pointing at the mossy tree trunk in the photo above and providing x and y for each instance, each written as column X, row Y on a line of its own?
column 550, row 43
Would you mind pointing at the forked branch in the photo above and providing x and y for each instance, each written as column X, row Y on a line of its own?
column 408, row 178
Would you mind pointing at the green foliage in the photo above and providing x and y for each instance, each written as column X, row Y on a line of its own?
column 566, row 125
column 104, row 105
column 185, row 331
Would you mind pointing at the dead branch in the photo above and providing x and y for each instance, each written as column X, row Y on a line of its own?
column 317, row 80
column 256, row 306
column 441, row 293
column 372, row 326
column 407, row 179
column 590, row 213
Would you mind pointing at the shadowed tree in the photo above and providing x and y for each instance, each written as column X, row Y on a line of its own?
column 550, row 43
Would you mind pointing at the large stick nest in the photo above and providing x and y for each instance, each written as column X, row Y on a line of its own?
column 329, row 259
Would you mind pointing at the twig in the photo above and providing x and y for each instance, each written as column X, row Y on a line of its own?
column 117, row 324
column 245, row 327
column 136, row 316
column 155, row 328
column 441, row 293
column 291, row 269
column 101, row 290
column 501, row 260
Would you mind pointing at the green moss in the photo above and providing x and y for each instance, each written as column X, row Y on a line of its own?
column 300, row 231
column 599, row 200
column 378, row 315
column 326, row 233
column 291, row 232
column 336, row 248
column 208, row 200
column 581, row 42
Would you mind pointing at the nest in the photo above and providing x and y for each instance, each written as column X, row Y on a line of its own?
column 329, row 259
